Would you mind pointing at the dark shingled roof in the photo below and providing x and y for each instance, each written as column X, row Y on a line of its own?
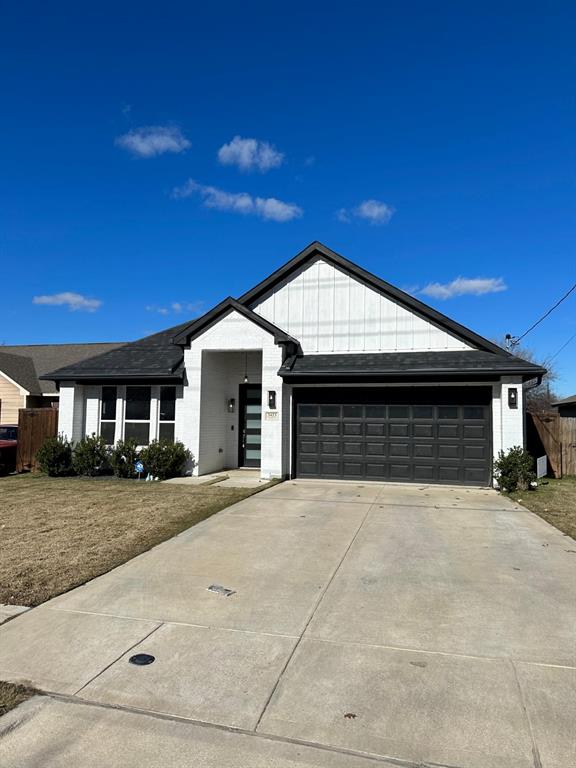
column 566, row 401
column 151, row 357
column 34, row 360
column 21, row 370
column 461, row 363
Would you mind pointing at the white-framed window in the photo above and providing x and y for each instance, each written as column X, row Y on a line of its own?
column 108, row 414
column 137, row 413
column 167, row 413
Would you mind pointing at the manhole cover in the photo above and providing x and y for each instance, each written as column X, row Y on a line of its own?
column 141, row 659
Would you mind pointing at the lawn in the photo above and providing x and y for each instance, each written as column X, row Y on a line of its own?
column 11, row 695
column 555, row 502
column 58, row 533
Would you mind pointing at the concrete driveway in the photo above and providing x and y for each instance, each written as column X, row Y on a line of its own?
column 396, row 625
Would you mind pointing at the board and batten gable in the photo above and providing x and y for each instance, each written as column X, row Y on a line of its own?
column 328, row 310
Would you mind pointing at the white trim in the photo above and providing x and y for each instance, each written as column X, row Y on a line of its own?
column 20, row 387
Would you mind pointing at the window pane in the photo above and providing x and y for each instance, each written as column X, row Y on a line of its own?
column 138, row 403
column 422, row 411
column 308, row 410
column 330, row 411
column 447, row 412
column 140, row 432
column 353, row 411
column 166, row 432
column 473, row 412
column 375, row 411
column 167, row 403
column 107, row 429
column 108, row 412
column 398, row 411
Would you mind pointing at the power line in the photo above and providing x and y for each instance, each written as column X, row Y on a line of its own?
column 561, row 348
column 544, row 316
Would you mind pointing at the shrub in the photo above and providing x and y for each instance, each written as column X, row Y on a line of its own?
column 91, row 456
column 164, row 460
column 123, row 457
column 54, row 457
column 514, row 470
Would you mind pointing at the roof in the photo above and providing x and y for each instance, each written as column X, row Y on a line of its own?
column 566, row 401
column 153, row 356
column 395, row 364
column 21, row 370
column 224, row 308
column 160, row 356
column 34, row 360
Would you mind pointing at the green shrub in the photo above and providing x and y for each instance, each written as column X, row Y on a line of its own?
column 163, row 460
column 514, row 470
column 123, row 457
column 54, row 457
column 91, row 456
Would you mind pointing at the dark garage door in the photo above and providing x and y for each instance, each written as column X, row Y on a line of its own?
column 421, row 435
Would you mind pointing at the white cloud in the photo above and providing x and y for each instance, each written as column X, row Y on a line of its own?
column 153, row 140
column 74, row 301
column 464, row 286
column 268, row 208
column 373, row 211
column 250, row 154
column 177, row 308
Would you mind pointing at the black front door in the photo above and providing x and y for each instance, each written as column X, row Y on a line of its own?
column 250, row 425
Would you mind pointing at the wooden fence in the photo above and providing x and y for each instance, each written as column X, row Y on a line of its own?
column 554, row 435
column 34, row 426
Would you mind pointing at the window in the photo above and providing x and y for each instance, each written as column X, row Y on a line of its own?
column 137, row 416
column 167, row 413
column 108, row 415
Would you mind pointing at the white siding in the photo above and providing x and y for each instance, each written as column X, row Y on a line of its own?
column 71, row 411
column 507, row 423
column 329, row 311
column 205, row 428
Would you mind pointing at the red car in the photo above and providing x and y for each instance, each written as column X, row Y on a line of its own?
column 8, row 443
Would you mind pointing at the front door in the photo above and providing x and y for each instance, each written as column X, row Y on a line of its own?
column 250, row 425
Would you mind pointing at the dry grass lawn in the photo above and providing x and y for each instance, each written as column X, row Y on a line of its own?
column 58, row 533
column 555, row 502
column 11, row 695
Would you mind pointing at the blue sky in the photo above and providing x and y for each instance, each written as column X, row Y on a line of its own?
column 425, row 141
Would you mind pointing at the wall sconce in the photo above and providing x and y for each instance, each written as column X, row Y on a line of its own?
column 231, row 405
column 513, row 398
column 272, row 400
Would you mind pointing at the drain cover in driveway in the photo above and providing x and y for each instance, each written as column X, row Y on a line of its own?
column 141, row 659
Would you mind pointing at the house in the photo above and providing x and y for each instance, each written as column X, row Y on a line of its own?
column 566, row 407
column 20, row 367
column 322, row 370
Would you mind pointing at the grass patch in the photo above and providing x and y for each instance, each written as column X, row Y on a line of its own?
column 555, row 502
column 57, row 533
column 11, row 695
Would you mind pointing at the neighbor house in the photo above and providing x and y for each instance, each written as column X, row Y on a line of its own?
column 322, row 370
column 22, row 365
column 566, row 407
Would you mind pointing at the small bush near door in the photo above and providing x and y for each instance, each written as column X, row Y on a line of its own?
column 163, row 460
column 91, row 457
column 123, row 457
column 514, row 470
column 54, row 457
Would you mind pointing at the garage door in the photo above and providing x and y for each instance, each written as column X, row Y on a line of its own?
column 439, row 435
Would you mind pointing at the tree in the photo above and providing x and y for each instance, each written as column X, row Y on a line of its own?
column 541, row 397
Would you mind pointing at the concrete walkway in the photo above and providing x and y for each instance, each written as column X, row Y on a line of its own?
column 368, row 624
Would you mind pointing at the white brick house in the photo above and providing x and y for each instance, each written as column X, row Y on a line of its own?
column 321, row 371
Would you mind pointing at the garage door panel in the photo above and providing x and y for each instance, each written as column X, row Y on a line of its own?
column 421, row 441
column 399, row 430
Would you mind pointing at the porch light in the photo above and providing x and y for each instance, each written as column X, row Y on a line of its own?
column 231, row 405
column 513, row 398
column 272, row 400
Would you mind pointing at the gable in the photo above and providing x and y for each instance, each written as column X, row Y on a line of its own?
column 329, row 310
